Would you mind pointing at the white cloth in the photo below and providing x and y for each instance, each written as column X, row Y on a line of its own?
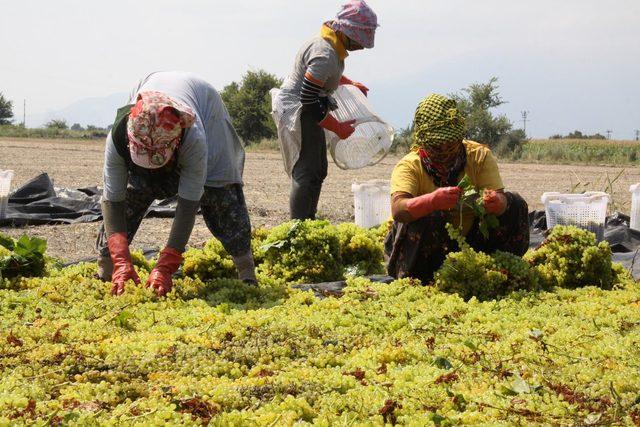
column 320, row 59
column 210, row 153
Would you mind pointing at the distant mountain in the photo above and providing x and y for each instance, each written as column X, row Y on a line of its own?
column 89, row 111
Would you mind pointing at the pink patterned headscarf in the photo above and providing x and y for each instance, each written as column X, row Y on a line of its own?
column 357, row 21
column 155, row 128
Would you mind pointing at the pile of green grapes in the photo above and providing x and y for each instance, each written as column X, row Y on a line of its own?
column 568, row 258
column 296, row 252
column 218, row 351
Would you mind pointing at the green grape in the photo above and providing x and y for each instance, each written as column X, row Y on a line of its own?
column 360, row 249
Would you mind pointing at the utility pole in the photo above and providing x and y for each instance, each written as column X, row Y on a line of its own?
column 637, row 135
column 24, row 114
column 525, row 115
column 609, row 132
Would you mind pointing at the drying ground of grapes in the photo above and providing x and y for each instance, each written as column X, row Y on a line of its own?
column 77, row 163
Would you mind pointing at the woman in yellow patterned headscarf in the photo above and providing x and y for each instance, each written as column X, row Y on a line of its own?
column 425, row 195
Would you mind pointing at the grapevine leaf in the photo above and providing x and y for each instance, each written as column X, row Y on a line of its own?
column 465, row 183
column 122, row 320
column 519, row 385
column 437, row 419
column 442, row 363
column 484, row 229
column 492, row 221
column 6, row 241
column 471, row 345
column 536, row 334
column 506, row 391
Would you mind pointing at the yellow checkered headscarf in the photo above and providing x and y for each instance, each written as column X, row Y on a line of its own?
column 437, row 122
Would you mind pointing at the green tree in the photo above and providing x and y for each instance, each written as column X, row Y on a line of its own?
column 77, row 126
column 475, row 103
column 249, row 105
column 57, row 124
column 6, row 110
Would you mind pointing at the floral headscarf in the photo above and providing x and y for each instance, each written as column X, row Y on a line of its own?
column 357, row 21
column 155, row 128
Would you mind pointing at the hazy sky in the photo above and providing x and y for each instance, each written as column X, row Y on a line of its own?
column 574, row 64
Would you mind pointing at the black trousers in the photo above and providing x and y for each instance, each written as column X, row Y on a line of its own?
column 309, row 171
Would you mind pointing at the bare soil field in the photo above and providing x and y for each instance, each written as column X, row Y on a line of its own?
column 78, row 163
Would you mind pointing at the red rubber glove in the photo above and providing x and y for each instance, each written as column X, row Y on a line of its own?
column 342, row 129
column 347, row 81
column 160, row 277
column 494, row 203
column 122, row 266
column 441, row 199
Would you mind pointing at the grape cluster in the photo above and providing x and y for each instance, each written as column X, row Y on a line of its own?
column 470, row 273
column 570, row 258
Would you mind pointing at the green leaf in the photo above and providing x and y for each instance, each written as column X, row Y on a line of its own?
column 536, row 333
column 442, row 363
column 122, row 320
column 519, row 385
column 471, row 345
column 438, row 419
column 492, row 221
column 6, row 241
column 506, row 391
column 465, row 183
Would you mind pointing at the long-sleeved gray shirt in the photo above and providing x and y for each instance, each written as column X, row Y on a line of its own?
column 210, row 153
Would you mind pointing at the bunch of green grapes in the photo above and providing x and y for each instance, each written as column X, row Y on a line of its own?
column 471, row 273
column 138, row 259
column 258, row 236
column 208, row 263
column 570, row 258
column 302, row 251
column 361, row 250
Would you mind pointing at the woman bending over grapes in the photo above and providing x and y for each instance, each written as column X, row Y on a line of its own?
column 174, row 138
column 425, row 196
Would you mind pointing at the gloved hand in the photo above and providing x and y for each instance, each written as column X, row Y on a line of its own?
column 122, row 266
column 347, row 81
column 442, row 199
column 494, row 203
column 160, row 277
column 342, row 129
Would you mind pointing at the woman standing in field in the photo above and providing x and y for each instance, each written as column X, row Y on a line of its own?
column 305, row 104
column 425, row 196
column 175, row 137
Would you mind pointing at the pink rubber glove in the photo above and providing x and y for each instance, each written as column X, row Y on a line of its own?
column 160, row 277
column 347, row 81
column 441, row 199
column 122, row 266
column 494, row 203
column 342, row 129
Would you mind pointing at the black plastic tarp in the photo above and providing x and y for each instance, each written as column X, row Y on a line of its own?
column 38, row 202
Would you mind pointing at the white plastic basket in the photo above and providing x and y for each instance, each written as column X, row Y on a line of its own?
column 587, row 211
column 372, row 202
column 372, row 138
column 5, row 186
column 635, row 207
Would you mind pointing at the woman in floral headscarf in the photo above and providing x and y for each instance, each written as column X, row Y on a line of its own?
column 425, row 195
column 174, row 138
column 306, row 103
